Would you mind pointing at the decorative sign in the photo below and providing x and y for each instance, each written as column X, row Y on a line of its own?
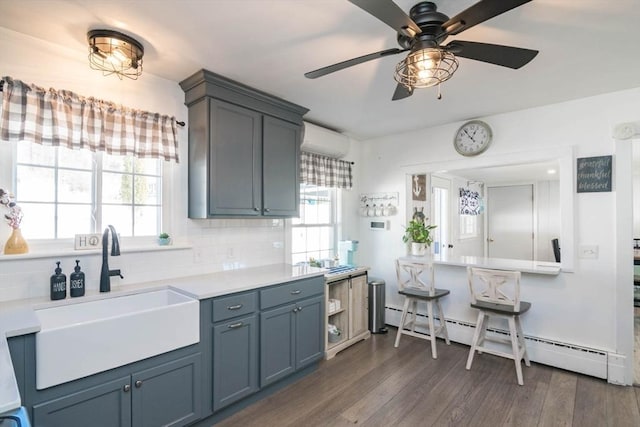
column 594, row 174
column 419, row 187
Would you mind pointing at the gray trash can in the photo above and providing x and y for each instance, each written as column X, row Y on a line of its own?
column 376, row 306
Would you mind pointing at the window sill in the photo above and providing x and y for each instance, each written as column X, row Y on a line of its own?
column 50, row 252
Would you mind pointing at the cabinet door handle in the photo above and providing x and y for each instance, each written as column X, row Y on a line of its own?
column 138, row 384
column 126, row 388
column 299, row 308
column 296, row 292
column 295, row 310
column 256, row 209
column 234, row 307
column 235, row 325
column 267, row 210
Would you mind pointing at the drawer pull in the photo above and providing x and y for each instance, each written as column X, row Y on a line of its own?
column 235, row 325
column 296, row 292
column 234, row 307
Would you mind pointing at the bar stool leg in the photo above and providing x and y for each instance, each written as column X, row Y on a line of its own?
column 476, row 336
column 403, row 319
column 517, row 357
column 525, row 354
column 432, row 330
column 414, row 314
column 443, row 322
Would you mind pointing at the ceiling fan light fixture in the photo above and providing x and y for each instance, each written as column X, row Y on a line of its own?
column 426, row 68
column 116, row 53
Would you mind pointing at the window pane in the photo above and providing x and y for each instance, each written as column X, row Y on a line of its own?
column 146, row 221
column 74, row 219
column 36, row 154
column 116, row 163
column 116, row 188
column 299, row 239
column 35, row 184
column 147, row 190
column 38, row 220
column 74, row 186
column 76, row 159
column 118, row 216
column 148, row 166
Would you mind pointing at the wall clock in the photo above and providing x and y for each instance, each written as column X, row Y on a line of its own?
column 472, row 138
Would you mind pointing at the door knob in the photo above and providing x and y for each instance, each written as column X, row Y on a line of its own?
column 489, row 239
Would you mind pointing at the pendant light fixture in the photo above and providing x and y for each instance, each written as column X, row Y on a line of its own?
column 115, row 53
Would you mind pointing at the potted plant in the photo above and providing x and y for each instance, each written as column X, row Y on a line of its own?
column 419, row 234
column 164, row 239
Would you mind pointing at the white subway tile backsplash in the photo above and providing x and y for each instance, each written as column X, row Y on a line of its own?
column 216, row 244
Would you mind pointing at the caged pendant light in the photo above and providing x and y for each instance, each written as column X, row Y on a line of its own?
column 115, row 53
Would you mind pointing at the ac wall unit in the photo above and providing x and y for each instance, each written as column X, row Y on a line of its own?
column 323, row 141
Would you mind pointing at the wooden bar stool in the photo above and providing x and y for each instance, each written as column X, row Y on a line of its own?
column 415, row 282
column 497, row 293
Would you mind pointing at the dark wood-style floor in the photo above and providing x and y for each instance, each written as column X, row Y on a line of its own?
column 375, row 384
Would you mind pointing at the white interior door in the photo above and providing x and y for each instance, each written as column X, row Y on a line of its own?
column 510, row 222
column 441, row 214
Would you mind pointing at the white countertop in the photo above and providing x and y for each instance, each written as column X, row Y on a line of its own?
column 18, row 317
column 532, row 267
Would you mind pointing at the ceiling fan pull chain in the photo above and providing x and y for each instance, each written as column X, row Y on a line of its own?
column 439, row 93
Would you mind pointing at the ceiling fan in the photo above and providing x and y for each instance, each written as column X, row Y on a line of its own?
column 430, row 63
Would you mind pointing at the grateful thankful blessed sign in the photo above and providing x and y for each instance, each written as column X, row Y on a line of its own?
column 594, row 174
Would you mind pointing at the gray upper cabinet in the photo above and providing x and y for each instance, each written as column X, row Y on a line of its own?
column 244, row 150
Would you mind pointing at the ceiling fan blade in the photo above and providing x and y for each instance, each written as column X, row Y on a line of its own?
column 401, row 92
column 391, row 14
column 479, row 12
column 506, row 56
column 351, row 62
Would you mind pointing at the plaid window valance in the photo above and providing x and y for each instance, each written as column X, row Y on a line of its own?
column 63, row 118
column 325, row 171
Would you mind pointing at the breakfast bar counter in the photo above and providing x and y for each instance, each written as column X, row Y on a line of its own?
column 524, row 266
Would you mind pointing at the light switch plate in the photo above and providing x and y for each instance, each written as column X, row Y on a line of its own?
column 589, row 252
column 88, row 241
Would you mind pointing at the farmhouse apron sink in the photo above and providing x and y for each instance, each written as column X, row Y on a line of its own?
column 80, row 339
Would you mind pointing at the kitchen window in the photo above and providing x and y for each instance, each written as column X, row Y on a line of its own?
column 313, row 234
column 64, row 192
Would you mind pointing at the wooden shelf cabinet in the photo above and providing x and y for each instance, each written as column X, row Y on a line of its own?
column 351, row 318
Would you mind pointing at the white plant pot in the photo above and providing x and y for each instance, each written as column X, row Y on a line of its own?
column 418, row 249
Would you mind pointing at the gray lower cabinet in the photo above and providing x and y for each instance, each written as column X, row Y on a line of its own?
column 164, row 395
column 235, row 360
column 291, row 337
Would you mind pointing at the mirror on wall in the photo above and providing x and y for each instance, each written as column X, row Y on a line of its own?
column 510, row 211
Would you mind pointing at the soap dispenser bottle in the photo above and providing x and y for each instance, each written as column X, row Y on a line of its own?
column 76, row 281
column 58, row 284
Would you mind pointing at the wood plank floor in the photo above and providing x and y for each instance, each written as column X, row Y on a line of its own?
column 375, row 384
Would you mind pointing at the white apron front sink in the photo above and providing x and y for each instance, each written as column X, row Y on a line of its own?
column 81, row 339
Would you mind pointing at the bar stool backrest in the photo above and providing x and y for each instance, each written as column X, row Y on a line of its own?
column 494, row 286
column 415, row 275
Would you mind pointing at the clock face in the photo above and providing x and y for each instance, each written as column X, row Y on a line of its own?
column 472, row 138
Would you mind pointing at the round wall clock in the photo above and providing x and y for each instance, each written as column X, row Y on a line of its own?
column 472, row 138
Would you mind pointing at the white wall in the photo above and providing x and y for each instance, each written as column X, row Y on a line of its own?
column 217, row 244
column 579, row 307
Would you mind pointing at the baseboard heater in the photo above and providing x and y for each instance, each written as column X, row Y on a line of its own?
column 562, row 355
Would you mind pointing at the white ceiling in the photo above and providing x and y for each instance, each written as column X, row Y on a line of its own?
column 587, row 47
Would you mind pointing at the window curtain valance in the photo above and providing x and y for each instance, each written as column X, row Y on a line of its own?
column 325, row 171
column 63, row 118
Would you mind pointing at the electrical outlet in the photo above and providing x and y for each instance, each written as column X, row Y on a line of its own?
column 87, row 241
